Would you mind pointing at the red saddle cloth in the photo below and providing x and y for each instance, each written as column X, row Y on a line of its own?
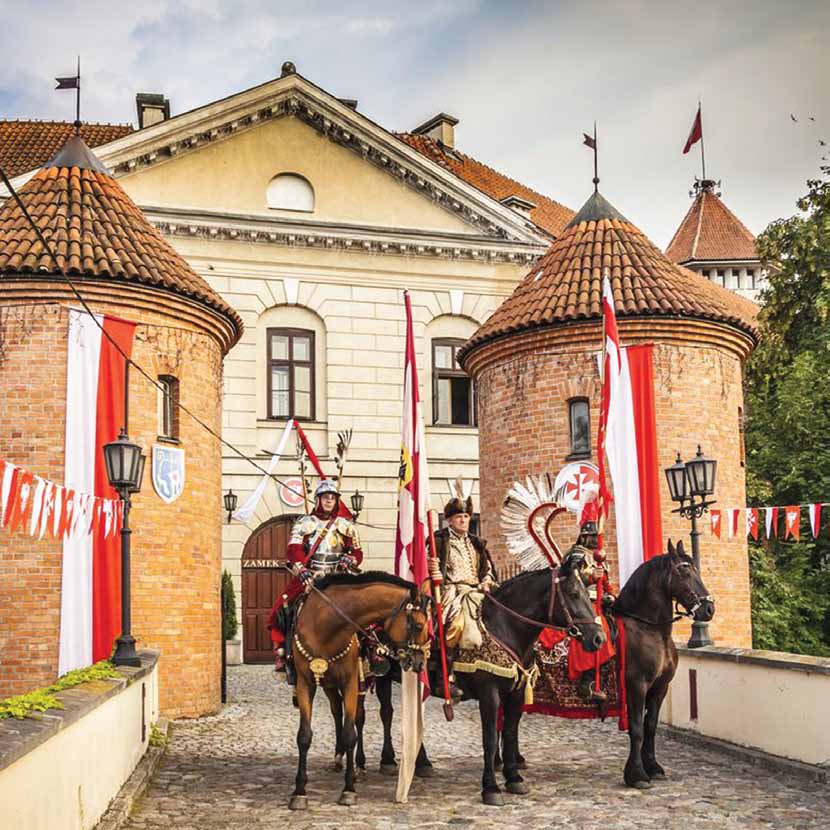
column 561, row 660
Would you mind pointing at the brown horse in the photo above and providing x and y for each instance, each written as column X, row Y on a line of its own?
column 326, row 653
column 644, row 607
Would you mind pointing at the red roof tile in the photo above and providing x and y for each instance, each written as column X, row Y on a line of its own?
column 548, row 214
column 95, row 230
column 710, row 231
column 25, row 145
column 566, row 284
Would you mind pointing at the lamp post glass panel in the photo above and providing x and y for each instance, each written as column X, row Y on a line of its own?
column 357, row 503
column 689, row 484
column 230, row 500
column 125, row 468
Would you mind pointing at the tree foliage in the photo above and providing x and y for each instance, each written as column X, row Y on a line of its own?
column 788, row 426
column 231, row 626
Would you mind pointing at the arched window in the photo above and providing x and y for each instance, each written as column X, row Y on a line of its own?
column 288, row 191
column 579, row 419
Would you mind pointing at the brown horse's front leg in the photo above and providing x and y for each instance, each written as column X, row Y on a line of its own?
column 654, row 700
column 635, row 774
column 336, row 706
column 305, row 701
column 383, row 689
column 350, row 696
column 359, row 754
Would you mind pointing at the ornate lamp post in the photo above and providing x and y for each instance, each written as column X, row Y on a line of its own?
column 230, row 500
column 357, row 503
column 689, row 484
column 125, row 467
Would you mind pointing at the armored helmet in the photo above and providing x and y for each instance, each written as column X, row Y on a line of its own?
column 326, row 486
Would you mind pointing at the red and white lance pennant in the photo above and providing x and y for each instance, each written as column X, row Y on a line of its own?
column 729, row 518
column 37, row 507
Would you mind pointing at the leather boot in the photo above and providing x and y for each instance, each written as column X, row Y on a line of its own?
column 588, row 690
column 290, row 673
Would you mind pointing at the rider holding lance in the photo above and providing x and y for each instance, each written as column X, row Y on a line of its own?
column 320, row 543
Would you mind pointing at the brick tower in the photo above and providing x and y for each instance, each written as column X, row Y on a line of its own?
column 536, row 357
column 124, row 268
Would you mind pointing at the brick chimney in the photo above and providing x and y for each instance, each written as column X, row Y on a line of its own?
column 440, row 127
column 152, row 108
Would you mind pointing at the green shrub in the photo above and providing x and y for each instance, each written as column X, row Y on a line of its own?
column 229, row 607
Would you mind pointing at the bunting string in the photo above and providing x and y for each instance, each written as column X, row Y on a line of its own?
column 38, row 507
column 765, row 522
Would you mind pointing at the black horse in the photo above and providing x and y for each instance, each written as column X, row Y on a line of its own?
column 644, row 607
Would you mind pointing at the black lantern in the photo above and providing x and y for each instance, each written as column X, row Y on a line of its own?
column 137, row 488
column 678, row 480
column 230, row 500
column 123, row 462
column 702, row 471
column 357, row 503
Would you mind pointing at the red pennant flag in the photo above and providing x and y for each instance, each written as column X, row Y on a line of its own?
column 21, row 508
column 792, row 515
column 11, row 498
column 696, row 134
column 752, row 523
column 716, row 526
column 815, row 519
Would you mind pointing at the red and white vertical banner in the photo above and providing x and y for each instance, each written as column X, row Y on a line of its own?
column 714, row 518
column 815, row 518
column 771, row 521
column 91, row 579
column 628, row 437
column 733, row 516
column 410, row 546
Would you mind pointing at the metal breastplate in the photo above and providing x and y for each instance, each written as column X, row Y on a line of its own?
column 323, row 560
column 328, row 552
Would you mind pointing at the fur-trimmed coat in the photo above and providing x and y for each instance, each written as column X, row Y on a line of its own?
column 442, row 544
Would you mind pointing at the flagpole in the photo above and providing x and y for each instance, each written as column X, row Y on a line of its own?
column 596, row 174
column 702, row 154
column 78, row 100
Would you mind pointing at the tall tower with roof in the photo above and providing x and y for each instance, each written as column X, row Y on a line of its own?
column 536, row 369
column 713, row 242
column 123, row 267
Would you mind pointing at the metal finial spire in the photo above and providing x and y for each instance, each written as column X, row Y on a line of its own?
column 592, row 143
column 74, row 82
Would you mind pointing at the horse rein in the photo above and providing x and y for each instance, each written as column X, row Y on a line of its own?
column 571, row 626
column 679, row 612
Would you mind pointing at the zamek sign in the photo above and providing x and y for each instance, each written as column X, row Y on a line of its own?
column 264, row 563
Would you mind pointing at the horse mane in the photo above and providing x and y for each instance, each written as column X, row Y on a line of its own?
column 519, row 577
column 365, row 578
column 638, row 583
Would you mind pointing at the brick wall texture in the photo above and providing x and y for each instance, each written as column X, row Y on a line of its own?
column 176, row 548
column 524, row 384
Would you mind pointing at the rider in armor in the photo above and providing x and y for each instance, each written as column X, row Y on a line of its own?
column 467, row 572
column 320, row 543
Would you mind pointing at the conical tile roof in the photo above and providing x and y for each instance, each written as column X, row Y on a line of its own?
column 565, row 286
column 711, row 232
column 96, row 231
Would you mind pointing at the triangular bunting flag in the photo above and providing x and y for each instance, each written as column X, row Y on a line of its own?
column 815, row 519
column 771, row 521
column 752, row 522
column 715, row 518
column 792, row 515
column 732, row 520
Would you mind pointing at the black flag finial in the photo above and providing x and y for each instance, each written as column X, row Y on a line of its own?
column 592, row 143
column 74, row 82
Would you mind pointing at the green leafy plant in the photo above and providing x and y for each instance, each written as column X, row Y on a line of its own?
column 157, row 737
column 231, row 626
column 21, row 706
column 788, row 426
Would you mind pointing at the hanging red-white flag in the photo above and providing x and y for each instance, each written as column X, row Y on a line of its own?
column 91, row 575
column 815, row 519
column 714, row 517
column 752, row 522
column 627, row 435
column 732, row 515
column 696, row 132
column 771, row 521
column 792, row 516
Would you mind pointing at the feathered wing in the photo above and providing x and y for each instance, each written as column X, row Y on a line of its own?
column 527, row 508
column 341, row 451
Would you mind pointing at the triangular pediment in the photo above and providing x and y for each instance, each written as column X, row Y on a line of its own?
column 220, row 157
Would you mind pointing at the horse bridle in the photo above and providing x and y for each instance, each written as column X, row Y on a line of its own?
column 680, row 611
column 412, row 627
column 572, row 624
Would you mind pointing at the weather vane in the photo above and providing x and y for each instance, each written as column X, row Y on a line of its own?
column 592, row 143
column 74, row 82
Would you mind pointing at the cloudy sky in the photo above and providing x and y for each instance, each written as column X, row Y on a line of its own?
column 525, row 79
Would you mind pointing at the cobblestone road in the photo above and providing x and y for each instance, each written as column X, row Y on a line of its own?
column 236, row 770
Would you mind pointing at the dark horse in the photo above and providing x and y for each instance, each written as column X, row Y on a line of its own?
column 644, row 607
column 326, row 653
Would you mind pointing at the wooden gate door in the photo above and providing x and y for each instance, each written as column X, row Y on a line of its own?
column 264, row 578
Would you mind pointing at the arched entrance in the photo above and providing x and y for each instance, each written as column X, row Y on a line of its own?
column 264, row 577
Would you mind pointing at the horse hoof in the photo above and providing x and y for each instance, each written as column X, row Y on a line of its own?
column 657, row 776
column 492, row 799
column 517, row 787
column 425, row 771
column 347, row 799
column 298, row 802
column 389, row 769
column 641, row 785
